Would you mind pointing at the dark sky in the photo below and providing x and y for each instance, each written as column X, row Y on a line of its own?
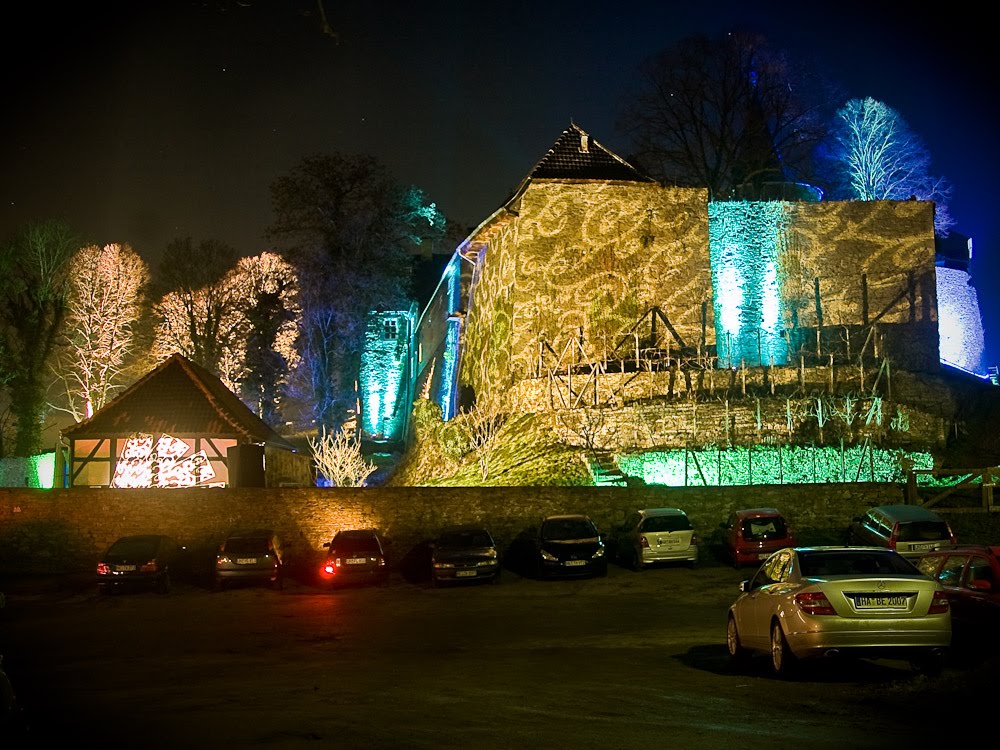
column 143, row 121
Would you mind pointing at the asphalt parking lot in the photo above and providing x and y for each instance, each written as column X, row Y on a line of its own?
column 623, row 661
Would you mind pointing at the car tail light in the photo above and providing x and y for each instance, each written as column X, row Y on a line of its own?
column 694, row 539
column 814, row 603
column 329, row 568
column 939, row 604
column 894, row 536
column 643, row 542
column 103, row 569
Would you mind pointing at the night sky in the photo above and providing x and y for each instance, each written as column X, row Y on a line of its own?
column 139, row 122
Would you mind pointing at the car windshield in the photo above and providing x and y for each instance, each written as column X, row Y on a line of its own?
column 772, row 527
column 355, row 543
column 246, row 544
column 822, row 563
column 568, row 528
column 134, row 547
column 465, row 539
column 666, row 523
column 922, row 531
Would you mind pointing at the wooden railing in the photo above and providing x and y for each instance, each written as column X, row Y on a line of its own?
column 985, row 479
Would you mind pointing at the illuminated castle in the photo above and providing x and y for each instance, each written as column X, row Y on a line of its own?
column 644, row 320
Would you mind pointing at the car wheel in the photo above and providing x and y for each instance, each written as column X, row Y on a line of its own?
column 782, row 658
column 163, row 584
column 931, row 664
column 733, row 643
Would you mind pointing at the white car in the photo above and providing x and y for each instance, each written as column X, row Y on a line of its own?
column 656, row 535
column 813, row 602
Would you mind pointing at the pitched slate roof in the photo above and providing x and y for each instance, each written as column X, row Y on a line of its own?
column 178, row 397
column 577, row 156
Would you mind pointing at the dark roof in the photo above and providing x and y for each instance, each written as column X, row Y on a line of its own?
column 178, row 397
column 577, row 156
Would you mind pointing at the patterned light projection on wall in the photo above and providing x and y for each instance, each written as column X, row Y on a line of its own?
column 150, row 461
column 772, row 464
column 960, row 325
column 384, row 378
column 745, row 243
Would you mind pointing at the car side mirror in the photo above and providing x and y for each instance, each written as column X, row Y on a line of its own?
column 326, row 544
column 745, row 585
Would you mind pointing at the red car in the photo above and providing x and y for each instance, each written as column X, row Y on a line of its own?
column 969, row 575
column 752, row 535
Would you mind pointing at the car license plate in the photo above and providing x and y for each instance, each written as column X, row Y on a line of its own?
column 356, row 560
column 246, row 560
column 465, row 573
column 124, row 568
column 574, row 563
column 894, row 601
column 921, row 547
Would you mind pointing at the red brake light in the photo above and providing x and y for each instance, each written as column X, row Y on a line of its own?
column 103, row 569
column 814, row 603
column 939, row 604
column 643, row 542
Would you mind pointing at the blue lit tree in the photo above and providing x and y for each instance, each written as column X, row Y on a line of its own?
column 878, row 157
column 350, row 230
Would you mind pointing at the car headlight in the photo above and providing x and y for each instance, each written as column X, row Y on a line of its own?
column 548, row 556
column 486, row 563
column 599, row 553
column 442, row 565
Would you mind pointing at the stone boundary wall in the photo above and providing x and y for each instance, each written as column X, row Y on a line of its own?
column 56, row 531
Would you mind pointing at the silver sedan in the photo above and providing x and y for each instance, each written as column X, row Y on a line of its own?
column 812, row 602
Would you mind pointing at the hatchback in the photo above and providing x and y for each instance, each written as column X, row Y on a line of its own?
column 969, row 575
column 254, row 556
column 569, row 545
column 911, row 530
column 655, row 535
column 355, row 556
column 753, row 534
column 808, row 603
column 137, row 562
column 464, row 553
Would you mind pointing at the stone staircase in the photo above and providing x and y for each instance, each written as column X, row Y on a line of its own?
column 604, row 470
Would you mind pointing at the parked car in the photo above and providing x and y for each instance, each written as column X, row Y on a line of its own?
column 569, row 545
column 355, row 556
column 969, row 575
column 812, row 602
column 655, row 535
column 753, row 534
column 464, row 553
column 137, row 562
column 253, row 556
column 911, row 530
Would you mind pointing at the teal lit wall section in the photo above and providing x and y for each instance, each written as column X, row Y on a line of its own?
column 447, row 387
column 384, row 380
column 41, row 471
column 745, row 244
column 449, row 369
column 772, row 464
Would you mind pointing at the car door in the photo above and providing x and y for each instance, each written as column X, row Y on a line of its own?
column 761, row 601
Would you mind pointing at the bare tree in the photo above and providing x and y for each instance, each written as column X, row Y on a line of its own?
column 338, row 458
column 724, row 112
column 34, row 286
column 105, row 304
column 483, row 424
column 880, row 158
